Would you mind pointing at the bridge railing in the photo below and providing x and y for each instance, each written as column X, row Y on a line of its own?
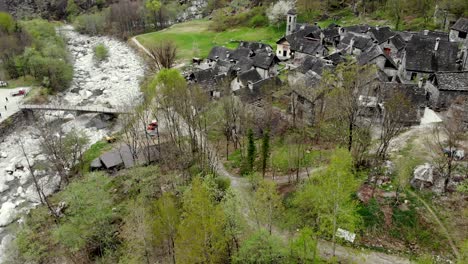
column 73, row 108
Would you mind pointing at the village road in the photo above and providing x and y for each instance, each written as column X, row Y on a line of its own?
column 12, row 105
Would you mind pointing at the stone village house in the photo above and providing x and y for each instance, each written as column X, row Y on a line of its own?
column 443, row 88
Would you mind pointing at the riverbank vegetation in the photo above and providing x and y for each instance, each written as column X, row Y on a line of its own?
column 101, row 52
column 34, row 50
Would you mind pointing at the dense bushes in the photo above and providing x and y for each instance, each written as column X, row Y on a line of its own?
column 84, row 233
column 127, row 18
column 222, row 20
column 34, row 48
column 93, row 24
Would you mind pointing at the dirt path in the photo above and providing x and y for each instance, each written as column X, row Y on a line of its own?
column 439, row 222
column 12, row 105
column 147, row 52
column 325, row 248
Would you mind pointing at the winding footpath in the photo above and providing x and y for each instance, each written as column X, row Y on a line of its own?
column 241, row 185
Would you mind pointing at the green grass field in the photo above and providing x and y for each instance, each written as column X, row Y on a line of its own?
column 195, row 39
column 22, row 82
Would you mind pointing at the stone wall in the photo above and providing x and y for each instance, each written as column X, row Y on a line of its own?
column 7, row 126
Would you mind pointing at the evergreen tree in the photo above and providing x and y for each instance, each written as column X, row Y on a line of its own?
column 251, row 151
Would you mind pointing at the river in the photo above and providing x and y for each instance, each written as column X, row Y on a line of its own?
column 113, row 83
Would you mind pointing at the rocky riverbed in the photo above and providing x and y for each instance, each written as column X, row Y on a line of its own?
column 113, row 83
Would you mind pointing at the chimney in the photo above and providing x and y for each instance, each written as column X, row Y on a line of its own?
column 426, row 32
column 420, row 83
column 351, row 46
column 436, row 47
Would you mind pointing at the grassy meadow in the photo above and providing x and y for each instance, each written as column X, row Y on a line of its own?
column 195, row 39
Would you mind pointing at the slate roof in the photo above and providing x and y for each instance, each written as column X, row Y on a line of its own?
column 461, row 25
column 264, row 60
column 244, row 64
column 302, row 30
column 421, row 56
column 381, row 34
column 416, row 96
column 406, row 35
column 313, row 63
column 273, row 81
column 361, row 42
column 452, row 81
column 434, row 34
column 331, row 32
column 358, row 28
column 292, row 12
column 223, row 66
column 372, row 53
column 307, row 90
column 336, row 58
column 255, row 46
column 240, row 52
column 398, row 41
column 204, row 76
column 111, row 159
column 255, row 92
column 311, row 47
column 219, row 52
column 250, row 76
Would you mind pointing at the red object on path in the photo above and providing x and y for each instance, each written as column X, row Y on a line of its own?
column 152, row 126
column 19, row 93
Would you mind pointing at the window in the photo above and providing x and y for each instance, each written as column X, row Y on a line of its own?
column 462, row 35
column 289, row 28
column 290, row 19
column 413, row 76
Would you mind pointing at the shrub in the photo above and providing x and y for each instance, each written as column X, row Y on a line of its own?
column 87, row 226
column 101, row 52
column 221, row 21
column 259, row 21
column 419, row 24
column 7, row 23
column 92, row 24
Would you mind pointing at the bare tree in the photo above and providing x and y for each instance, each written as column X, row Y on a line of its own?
column 347, row 86
column 163, row 54
column 231, row 113
column 131, row 133
column 40, row 192
column 446, row 139
column 396, row 109
column 63, row 150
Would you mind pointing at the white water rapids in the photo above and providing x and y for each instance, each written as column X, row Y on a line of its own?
column 112, row 83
